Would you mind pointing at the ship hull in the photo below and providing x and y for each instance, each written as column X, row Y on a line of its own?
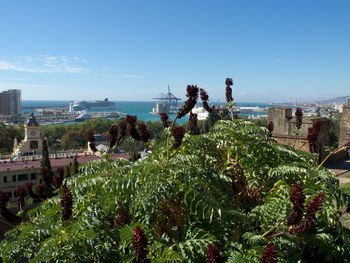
column 94, row 105
column 94, row 108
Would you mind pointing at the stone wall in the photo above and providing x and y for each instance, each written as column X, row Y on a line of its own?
column 344, row 136
column 285, row 132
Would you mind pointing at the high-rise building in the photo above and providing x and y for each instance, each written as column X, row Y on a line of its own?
column 10, row 102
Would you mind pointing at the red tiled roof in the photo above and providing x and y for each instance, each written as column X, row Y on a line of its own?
column 27, row 164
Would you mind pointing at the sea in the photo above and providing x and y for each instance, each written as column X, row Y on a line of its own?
column 142, row 109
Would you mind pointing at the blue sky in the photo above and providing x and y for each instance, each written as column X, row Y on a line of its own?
column 275, row 50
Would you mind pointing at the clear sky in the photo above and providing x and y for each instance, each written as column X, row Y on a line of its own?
column 275, row 50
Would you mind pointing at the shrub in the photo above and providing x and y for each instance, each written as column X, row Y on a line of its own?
column 226, row 196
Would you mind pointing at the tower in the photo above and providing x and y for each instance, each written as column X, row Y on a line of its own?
column 32, row 143
column 10, row 102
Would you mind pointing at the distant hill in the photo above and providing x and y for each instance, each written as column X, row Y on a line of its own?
column 337, row 99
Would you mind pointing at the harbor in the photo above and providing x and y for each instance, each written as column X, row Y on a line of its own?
column 62, row 112
column 58, row 118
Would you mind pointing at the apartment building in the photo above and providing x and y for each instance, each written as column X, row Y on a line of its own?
column 10, row 102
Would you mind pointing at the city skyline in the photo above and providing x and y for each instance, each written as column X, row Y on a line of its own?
column 275, row 51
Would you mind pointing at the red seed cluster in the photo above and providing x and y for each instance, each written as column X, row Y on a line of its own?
column 40, row 190
column 204, row 95
column 213, row 255
column 122, row 133
column 21, row 191
column 192, row 91
column 317, row 125
column 60, row 172
column 164, row 118
column 205, row 98
column 56, row 181
column 113, row 135
column 90, row 137
column 312, row 207
column 298, row 118
column 193, row 123
column 297, row 197
column 269, row 254
column 131, row 120
column 192, row 94
column 140, row 242
column 67, row 204
column 178, row 134
column 144, row 133
column 313, row 134
column 133, row 132
column 45, row 174
column 29, row 190
column 229, row 83
column 270, row 128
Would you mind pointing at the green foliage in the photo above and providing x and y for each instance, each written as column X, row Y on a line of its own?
column 229, row 187
column 7, row 136
column 68, row 136
column 74, row 139
column 134, row 156
column 204, row 126
column 346, row 188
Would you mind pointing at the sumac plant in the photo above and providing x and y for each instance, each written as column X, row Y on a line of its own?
column 231, row 195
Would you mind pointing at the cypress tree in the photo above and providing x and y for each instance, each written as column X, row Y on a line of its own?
column 75, row 166
column 67, row 171
column 45, row 161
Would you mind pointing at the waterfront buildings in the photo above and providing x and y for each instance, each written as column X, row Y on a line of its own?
column 10, row 102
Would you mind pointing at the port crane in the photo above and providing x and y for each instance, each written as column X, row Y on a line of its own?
column 168, row 98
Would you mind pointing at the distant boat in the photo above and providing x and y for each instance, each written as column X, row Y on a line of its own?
column 202, row 114
column 94, row 105
column 247, row 110
column 83, row 117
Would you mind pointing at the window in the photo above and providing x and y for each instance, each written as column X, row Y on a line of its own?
column 33, row 144
column 22, row 177
column 5, row 179
column 14, row 178
column 33, row 176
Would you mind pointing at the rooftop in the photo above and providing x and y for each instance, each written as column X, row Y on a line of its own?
column 32, row 120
